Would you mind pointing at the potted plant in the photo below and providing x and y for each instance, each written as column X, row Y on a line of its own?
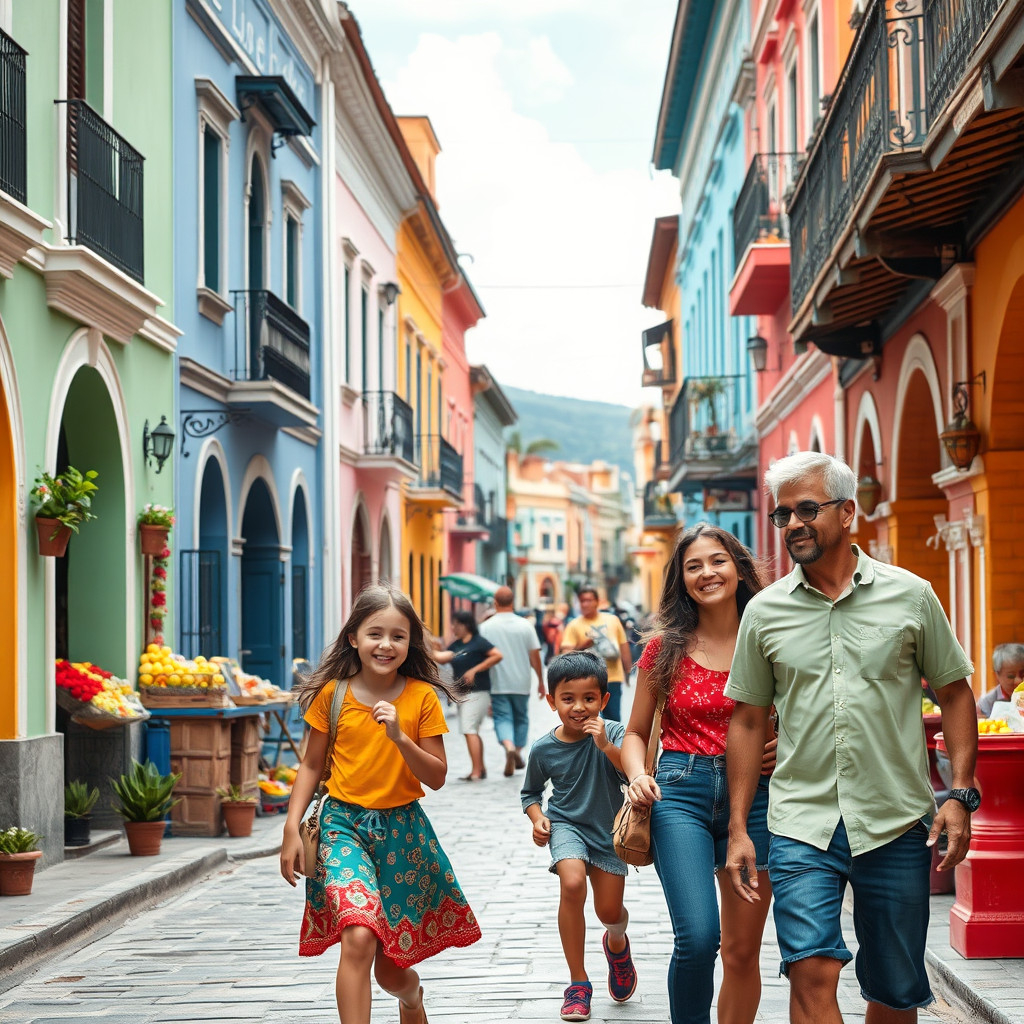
column 145, row 798
column 63, row 504
column 79, row 800
column 19, row 851
column 155, row 522
column 239, row 811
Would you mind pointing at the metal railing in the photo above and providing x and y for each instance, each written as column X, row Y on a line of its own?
column 13, row 161
column 441, row 465
column 759, row 214
column 201, row 603
column 952, row 29
column 702, row 423
column 278, row 342
column 498, row 530
column 387, row 426
column 658, row 508
column 104, row 190
column 879, row 107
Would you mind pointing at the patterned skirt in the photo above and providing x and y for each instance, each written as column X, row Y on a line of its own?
column 386, row 871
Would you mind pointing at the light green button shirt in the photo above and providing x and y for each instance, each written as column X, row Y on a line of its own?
column 845, row 677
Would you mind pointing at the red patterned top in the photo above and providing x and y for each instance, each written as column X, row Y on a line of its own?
column 696, row 715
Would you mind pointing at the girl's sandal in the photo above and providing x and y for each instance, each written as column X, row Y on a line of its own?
column 412, row 1015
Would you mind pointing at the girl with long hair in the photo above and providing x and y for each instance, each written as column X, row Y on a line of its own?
column 709, row 580
column 382, row 886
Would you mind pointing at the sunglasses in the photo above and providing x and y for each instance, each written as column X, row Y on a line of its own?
column 806, row 512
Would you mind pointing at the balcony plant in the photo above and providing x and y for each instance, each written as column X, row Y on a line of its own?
column 145, row 798
column 155, row 522
column 704, row 392
column 63, row 504
column 239, row 811
column 79, row 800
column 19, row 853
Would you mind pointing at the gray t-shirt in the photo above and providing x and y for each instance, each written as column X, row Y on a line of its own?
column 515, row 638
column 585, row 785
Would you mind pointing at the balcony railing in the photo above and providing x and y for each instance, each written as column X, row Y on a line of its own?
column 278, row 342
column 702, row 421
column 759, row 215
column 13, row 164
column 498, row 530
column 441, row 465
column 658, row 509
column 387, row 426
column 879, row 107
column 104, row 190
column 952, row 29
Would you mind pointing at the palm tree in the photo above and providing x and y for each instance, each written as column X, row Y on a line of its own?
column 539, row 446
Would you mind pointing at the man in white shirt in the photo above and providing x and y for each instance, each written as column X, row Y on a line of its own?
column 510, row 678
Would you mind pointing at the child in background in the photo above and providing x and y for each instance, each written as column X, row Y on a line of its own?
column 382, row 888
column 581, row 760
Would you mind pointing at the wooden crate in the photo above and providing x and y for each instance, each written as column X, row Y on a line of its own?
column 245, row 754
column 201, row 752
column 179, row 697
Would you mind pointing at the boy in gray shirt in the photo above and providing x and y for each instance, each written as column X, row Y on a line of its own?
column 581, row 759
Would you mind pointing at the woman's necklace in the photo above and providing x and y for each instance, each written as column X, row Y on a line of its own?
column 700, row 644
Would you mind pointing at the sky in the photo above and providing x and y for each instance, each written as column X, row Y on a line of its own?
column 545, row 111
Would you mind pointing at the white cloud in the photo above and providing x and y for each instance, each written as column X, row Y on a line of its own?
column 477, row 11
column 540, row 74
column 559, row 249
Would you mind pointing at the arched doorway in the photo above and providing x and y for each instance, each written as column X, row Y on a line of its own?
column 362, row 555
column 300, row 577
column 385, row 571
column 263, row 649
column 203, row 580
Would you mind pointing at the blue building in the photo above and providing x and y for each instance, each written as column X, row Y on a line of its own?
column 712, row 450
column 248, row 287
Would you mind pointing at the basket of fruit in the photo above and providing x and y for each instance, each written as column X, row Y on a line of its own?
column 274, row 795
column 95, row 697
column 168, row 680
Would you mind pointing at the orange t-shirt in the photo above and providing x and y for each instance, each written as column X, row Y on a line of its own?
column 366, row 767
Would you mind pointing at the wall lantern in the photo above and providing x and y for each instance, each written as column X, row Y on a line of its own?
column 758, row 349
column 869, row 490
column 390, row 291
column 961, row 438
column 157, row 443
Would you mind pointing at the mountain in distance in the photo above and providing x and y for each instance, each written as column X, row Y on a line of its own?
column 585, row 431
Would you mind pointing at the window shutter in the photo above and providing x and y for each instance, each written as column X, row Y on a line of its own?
column 76, row 74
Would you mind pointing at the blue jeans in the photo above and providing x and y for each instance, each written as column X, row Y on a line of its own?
column 689, row 834
column 613, row 709
column 890, row 910
column 511, row 713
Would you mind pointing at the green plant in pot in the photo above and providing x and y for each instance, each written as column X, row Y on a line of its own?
column 144, row 799
column 62, row 503
column 19, row 852
column 79, row 800
column 239, row 811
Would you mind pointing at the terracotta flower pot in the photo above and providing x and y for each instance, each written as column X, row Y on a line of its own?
column 153, row 538
column 53, row 537
column 144, row 837
column 238, row 816
column 16, row 871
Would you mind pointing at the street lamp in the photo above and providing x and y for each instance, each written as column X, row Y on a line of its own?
column 961, row 438
column 758, row 349
column 390, row 291
column 869, row 490
column 157, row 443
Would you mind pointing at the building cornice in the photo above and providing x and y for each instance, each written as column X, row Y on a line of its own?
column 807, row 373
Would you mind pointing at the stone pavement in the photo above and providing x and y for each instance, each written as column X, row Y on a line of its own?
column 218, row 940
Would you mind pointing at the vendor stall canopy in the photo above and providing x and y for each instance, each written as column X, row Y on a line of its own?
column 469, row 586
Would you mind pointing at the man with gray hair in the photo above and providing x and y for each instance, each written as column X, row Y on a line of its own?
column 1008, row 666
column 839, row 647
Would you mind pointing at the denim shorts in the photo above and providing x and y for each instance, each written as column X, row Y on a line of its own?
column 567, row 842
column 890, row 910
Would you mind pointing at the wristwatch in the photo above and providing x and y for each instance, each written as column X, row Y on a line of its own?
column 970, row 798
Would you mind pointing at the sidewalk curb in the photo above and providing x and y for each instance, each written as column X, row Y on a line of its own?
column 959, row 994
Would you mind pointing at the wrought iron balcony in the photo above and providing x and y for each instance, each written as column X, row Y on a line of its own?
column 278, row 342
column 497, row 529
column 759, row 215
column 387, row 426
column 952, row 30
column 659, row 512
column 703, row 420
column 660, row 370
column 104, row 190
column 441, row 466
column 13, row 164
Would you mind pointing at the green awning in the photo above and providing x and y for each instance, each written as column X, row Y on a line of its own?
column 469, row 586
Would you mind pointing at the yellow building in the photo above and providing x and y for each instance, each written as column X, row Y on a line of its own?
column 427, row 268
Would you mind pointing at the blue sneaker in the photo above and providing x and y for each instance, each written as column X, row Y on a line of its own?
column 576, row 1004
column 621, row 972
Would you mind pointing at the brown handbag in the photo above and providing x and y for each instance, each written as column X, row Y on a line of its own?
column 309, row 827
column 631, row 833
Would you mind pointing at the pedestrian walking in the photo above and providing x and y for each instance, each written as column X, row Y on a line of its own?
column 510, row 679
column 471, row 658
column 582, row 761
column 709, row 580
column 839, row 646
column 382, row 888
column 603, row 633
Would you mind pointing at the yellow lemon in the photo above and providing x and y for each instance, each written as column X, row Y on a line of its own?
column 218, row 679
column 152, row 649
column 166, row 651
column 174, row 679
column 146, row 679
column 187, row 679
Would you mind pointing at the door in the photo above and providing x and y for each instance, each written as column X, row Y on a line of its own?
column 262, row 652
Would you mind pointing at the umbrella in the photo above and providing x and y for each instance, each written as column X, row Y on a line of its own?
column 469, row 585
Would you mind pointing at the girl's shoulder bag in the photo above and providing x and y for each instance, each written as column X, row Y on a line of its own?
column 631, row 833
column 309, row 828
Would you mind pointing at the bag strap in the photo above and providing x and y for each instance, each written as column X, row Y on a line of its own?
column 652, row 743
column 340, row 689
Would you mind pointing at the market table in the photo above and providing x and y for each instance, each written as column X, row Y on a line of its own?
column 212, row 748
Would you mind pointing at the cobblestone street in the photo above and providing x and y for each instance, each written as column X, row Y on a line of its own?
column 225, row 949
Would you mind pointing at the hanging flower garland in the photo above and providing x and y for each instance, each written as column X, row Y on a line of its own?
column 158, row 594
